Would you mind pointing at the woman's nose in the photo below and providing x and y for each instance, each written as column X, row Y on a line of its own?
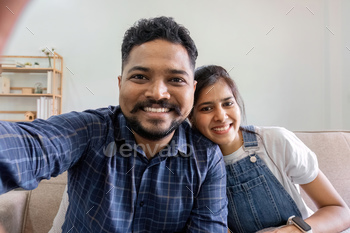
column 220, row 115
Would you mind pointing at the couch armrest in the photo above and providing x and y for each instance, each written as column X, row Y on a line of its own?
column 13, row 209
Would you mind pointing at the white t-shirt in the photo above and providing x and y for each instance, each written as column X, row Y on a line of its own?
column 288, row 158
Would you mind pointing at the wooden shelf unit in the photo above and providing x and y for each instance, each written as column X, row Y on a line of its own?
column 56, row 83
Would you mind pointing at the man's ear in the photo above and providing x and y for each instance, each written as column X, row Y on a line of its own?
column 119, row 81
column 194, row 85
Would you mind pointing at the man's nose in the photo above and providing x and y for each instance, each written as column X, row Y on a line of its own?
column 158, row 90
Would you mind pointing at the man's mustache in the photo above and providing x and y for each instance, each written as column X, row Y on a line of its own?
column 161, row 103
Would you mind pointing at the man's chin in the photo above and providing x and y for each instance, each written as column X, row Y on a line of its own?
column 151, row 134
column 155, row 130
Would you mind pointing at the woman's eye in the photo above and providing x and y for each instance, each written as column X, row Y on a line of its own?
column 205, row 109
column 228, row 104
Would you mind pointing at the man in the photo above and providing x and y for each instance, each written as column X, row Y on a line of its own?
column 136, row 167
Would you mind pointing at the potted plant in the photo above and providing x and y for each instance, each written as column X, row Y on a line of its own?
column 27, row 64
column 36, row 64
column 48, row 53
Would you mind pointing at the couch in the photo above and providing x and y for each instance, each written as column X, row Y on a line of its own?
column 34, row 211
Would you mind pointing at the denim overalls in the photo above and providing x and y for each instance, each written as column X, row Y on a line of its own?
column 256, row 199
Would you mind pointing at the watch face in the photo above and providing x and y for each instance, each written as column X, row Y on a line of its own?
column 301, row 223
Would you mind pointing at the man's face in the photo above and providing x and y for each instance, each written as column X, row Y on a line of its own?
column 156, row 88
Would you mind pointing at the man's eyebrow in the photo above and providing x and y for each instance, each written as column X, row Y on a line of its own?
column 145, row 69
column 175, row 71
column 138, row 68
column 211, row 102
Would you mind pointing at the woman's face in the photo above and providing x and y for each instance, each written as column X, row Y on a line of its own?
column 217, row 115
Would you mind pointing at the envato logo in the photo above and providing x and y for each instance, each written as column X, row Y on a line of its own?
column 127, row 150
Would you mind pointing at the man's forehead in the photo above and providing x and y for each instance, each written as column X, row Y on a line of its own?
column 148, row 55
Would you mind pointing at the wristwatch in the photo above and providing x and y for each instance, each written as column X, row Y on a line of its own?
column 299, row 223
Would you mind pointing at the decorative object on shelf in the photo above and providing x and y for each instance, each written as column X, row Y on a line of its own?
column 28, row 64
column 36, row 64
column 4, row 85
column 27, row 90
column 48, row 53
column 38, row 88
column 30, row 116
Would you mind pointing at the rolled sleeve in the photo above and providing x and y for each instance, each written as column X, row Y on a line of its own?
column 30, row 152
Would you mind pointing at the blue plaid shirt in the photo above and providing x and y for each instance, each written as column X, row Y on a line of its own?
column 112, row 186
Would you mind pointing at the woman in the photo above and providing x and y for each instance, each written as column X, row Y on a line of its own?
column 264, row 165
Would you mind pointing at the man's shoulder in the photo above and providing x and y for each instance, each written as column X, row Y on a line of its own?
column 102, row 117
column 196, row 139
column 104, row 112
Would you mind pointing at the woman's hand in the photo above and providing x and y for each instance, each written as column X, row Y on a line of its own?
column 283, row 229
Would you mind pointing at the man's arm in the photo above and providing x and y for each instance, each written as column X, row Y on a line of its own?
column 209, row 213
column 30, row 152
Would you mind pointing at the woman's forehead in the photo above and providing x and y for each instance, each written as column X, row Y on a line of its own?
column 219, row 91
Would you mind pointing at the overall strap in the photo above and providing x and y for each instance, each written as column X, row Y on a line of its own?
column 249, row 136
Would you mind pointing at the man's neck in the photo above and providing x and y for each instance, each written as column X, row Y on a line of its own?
column 151, row 147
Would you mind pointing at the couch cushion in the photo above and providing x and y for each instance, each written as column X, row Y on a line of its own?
column 44, row 203
column 333, row 153
column 12, row 210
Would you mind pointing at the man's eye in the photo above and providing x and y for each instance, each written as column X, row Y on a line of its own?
column 177, row 80
column 138, row 76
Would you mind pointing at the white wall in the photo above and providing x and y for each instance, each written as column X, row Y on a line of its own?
column 290, row 59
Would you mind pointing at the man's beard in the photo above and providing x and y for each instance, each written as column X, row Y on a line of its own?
column 153, row 135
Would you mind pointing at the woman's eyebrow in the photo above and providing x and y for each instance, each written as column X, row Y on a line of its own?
column 211, row 102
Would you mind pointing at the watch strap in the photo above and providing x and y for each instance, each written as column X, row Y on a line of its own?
column 299, row 223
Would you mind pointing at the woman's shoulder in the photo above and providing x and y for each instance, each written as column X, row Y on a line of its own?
column 272, row 131
column 277, row 135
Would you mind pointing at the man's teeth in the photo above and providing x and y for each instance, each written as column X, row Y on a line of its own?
column 148, row 109
column 222, row 128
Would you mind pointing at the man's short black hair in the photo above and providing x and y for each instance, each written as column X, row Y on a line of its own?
column 165, row 28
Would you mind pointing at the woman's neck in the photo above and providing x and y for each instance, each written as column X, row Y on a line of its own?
column 229, row 148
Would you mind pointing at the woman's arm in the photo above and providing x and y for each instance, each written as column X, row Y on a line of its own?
column 333, row 214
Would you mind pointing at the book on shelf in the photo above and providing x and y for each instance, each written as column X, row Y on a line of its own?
column 46, row 107
column 11, row 64
column 49, row 82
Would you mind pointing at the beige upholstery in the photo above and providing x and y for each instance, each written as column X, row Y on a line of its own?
column 333, row 153
column 34, row 211
column 13, row 210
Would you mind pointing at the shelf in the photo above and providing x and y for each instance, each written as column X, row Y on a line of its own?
column 17, row 120
column 30, row 95
column 20, row 94
column 17, row 112
column 28, row 70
